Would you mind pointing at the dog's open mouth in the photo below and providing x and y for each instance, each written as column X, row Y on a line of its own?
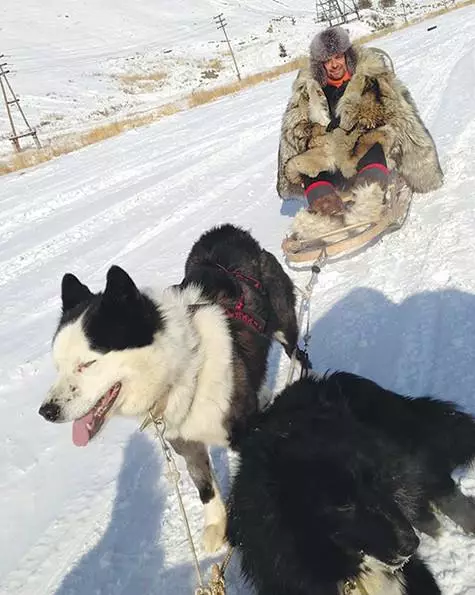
column 86, row 427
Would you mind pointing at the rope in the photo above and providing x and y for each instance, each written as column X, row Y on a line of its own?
column 351, row 585
column 174, row 477
column 216, row 585
column 305, row 308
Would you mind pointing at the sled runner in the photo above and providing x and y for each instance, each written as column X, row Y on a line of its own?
column 332, row 245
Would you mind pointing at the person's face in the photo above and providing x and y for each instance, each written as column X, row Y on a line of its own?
column 335, row 67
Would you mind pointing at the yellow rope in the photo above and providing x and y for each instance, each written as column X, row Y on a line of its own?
column 217, row 585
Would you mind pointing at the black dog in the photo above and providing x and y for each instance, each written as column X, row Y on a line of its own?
column 248, row 281
column 334, row 476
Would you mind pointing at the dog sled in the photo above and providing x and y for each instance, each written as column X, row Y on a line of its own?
column 355, row 237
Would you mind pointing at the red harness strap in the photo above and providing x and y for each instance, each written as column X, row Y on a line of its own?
column 238, row 312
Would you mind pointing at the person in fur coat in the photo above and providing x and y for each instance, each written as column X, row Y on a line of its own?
column 348, row 122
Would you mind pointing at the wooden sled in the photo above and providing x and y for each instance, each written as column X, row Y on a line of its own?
column 397, row 203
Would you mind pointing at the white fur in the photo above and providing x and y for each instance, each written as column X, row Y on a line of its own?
column 186, row 371
column 317, row 104
column 75, row 391
column 375, row 580
column 368, row 199
column 310, row 226
column 214, row 535
column 186, row 374
column 280, row 337
column 213, row 386
column 368, row 206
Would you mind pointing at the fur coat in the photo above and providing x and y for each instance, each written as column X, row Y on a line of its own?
column 375, row 107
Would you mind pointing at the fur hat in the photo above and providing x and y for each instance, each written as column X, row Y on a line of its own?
column 327, row 43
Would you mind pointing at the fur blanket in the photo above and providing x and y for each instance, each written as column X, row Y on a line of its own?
column 375, row 107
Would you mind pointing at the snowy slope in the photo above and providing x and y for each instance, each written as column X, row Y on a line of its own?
column 101, row 520
column 79, row 63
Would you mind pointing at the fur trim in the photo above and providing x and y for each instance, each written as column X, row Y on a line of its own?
column 368, row 205
column 327, row 43
column 351, row 59
column 310, row 226
column 415, row 155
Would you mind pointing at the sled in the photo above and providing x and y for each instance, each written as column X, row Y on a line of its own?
column 356, row 237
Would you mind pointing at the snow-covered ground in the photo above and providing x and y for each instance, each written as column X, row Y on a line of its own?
column 80, row 63
column 102, row 520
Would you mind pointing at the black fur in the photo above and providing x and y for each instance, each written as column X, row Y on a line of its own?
column 227, row 249
column 213, row 263
column 119, row 318
column 338, row 467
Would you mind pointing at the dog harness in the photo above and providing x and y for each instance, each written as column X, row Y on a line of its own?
column 239, row 310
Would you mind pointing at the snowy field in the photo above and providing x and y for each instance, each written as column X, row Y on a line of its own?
column 101, row 520
column 80, row 63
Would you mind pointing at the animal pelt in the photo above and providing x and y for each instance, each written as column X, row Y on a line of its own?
column 334, row 478
column 327, row 152
column 375, row 107
column 365, row 203
column 311, row 226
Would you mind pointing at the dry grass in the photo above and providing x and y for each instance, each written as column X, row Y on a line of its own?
column 144, row 82
column 72, row 142
column 146, row 76
column 208, row 95
column 213, row 63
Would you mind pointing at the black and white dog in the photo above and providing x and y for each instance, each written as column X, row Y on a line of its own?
column 197, row 355
column 334, row 478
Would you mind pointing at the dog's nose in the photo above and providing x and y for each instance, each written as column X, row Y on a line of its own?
column 50, row 411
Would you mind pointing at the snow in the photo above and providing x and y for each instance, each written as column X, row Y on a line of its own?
column 103, row 519
column 77, row 64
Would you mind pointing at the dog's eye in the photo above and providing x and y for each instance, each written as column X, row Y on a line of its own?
column 81, row 367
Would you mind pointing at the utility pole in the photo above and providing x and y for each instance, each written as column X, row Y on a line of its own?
column 10, row 100
column 221, row 24
column 404, row 10
column 336, row 12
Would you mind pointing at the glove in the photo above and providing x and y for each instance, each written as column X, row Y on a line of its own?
column 327, row 205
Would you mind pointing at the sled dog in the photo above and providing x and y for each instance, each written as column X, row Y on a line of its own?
column 196, row 356
column 334, row 479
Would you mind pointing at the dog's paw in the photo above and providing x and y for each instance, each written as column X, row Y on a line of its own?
column 214, row 537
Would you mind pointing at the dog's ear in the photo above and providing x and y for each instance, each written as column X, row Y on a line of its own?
column 119, row 287
column 73, row 292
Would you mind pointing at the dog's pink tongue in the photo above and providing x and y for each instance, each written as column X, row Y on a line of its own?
column 80, row 432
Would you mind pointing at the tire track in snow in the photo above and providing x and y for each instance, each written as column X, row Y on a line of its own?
column 101, row 222
column 84, row 197
column 81, row 193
